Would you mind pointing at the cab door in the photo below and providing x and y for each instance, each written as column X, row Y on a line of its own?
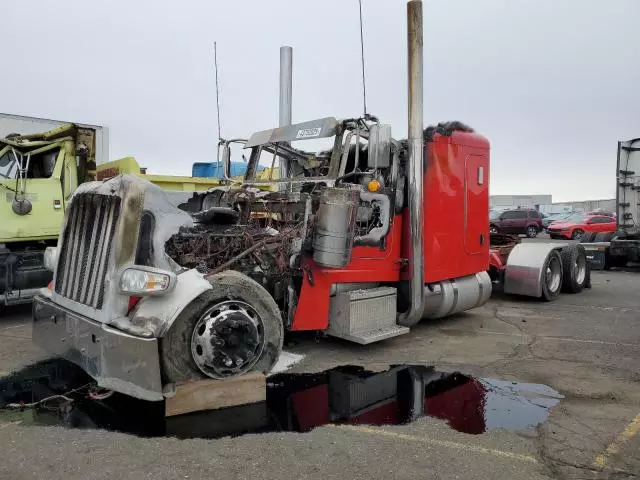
column 476, row 206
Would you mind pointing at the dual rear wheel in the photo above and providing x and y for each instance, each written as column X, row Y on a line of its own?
column 567, row 271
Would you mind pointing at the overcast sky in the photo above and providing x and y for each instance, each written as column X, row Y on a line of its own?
column 553, row 84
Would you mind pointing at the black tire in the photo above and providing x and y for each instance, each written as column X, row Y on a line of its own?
column 574, row 268
column 577, row 234
column 532, row 231
column 493, row 229
column 551, row 286
column 603, row 237
column 178, row 364
column 587, row 237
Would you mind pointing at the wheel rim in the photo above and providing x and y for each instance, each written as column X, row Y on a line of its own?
column 553, row 275
column 577, row 234
column 493, row 230
column 580, row 269
column 532, row 232
column 227, row 339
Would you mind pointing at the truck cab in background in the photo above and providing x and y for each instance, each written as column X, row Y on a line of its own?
column 38, row 175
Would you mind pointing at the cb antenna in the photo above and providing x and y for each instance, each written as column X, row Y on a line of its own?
column 364, row 85
column 215, row 63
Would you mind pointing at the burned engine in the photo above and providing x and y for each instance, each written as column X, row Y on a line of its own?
column 328, row 208
column 257, row 233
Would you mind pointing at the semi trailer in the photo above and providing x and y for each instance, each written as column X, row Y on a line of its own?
column 360, row 242
column 617, row 249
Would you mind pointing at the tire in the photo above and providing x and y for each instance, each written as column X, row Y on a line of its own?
column 551, row 283
column 587, row 237
column 532, row 231
column 603, row 237
column 577, row 234
column 230, row 289
column 574, row 268
column 493, row 229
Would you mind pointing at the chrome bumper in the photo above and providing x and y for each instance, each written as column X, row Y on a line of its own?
column 117, row 360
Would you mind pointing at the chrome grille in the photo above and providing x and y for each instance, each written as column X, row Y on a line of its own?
column 85, row 249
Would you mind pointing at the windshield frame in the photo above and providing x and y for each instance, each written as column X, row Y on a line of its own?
column 35, row 151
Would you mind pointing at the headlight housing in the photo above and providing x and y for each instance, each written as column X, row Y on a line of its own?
column 51, row 258
column 139, row 281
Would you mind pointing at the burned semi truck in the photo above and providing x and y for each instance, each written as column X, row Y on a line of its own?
column 361, row 241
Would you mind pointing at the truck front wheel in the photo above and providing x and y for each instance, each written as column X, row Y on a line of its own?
column 229, row 330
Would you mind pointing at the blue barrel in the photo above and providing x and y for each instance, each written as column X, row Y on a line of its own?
column 203, row 169
column 208, row 169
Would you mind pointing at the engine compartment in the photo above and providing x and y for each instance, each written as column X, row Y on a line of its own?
column 263, row 234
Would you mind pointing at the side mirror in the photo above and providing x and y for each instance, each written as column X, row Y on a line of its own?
column 379, row 155
column 226, row 160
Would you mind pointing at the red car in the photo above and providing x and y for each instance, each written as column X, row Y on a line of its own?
column 577, row 224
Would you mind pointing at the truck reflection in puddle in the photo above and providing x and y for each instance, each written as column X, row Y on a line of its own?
column 295, row 402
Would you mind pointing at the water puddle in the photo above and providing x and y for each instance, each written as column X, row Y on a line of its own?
column 295, row 402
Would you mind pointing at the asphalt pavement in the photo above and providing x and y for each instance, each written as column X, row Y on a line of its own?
column 586, row 347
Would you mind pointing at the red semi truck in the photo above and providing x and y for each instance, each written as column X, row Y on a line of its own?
column 362, row 242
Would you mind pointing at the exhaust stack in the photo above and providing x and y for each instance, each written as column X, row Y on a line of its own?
column 286, row 75
column 415, row 164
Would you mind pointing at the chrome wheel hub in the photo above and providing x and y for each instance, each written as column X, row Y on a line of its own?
column 553, row 275
column 580, row 269
column 227, row 339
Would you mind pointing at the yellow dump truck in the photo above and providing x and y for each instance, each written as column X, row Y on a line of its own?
column 38, row 174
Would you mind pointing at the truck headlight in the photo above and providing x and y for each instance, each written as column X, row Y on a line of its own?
column 138, row 280
column 50, row 258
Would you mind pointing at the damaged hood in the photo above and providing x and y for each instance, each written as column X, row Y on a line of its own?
column 140, row 197
column 141, row 219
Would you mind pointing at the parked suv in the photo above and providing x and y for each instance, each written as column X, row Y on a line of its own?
column 526, row 221
column 578, row 224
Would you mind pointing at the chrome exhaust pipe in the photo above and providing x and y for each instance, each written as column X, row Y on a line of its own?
column 415, row 165
column 286, row 95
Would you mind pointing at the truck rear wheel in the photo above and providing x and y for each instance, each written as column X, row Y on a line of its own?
column 229, row 330
column 551, row 276
column 575, row 268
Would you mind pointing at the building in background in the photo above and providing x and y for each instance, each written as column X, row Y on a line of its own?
column 502, row 202
column 607, row 205
column 544, row 203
